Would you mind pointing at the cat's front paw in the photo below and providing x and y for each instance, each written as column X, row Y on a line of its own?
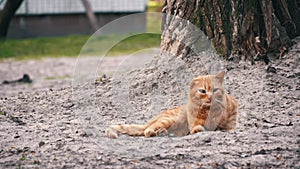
column 111, row 133
column 197, row 129
column 149, row 133
column 162, row 132
column 152, row 133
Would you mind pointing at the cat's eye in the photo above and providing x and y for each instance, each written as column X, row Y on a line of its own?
column 215, row 90
column 202, row 91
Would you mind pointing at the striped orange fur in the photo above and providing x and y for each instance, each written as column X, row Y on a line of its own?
column 208, row 108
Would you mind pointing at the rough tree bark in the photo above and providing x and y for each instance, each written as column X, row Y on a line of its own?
column 6, row 14
column 254, row 29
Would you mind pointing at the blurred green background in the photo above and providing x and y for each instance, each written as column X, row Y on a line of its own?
column 70, row 46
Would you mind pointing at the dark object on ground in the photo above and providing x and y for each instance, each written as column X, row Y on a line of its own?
column 24, row 79
column 271, row 69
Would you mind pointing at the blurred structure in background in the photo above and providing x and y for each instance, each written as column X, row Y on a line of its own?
column 47, row 18
column 155, row 5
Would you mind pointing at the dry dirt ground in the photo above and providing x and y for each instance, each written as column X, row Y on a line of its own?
column 54, row 124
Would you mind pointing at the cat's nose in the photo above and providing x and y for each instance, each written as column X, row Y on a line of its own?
column 209, row 99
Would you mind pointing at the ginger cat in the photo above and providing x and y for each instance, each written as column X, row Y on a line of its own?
column 208, row 108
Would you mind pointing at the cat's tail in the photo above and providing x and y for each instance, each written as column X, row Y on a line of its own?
column 132, row 130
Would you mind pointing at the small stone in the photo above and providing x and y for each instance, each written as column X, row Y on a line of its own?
column 271, row 69
column 279, row 157
column 83, row 134
column 262, row 151
column 68, row 105
column 41, row 143
column 37, row 162
column 208, row 140
column 26, row 149
column 290, row 124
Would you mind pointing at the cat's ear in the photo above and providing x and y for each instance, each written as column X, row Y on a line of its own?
column 220, row 76
column 193, row 83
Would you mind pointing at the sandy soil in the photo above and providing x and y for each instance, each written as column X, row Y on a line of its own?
column 52, row 124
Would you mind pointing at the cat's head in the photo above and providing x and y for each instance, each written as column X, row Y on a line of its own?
column 207, row 90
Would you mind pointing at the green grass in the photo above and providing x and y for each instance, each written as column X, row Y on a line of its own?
column 154, row 6
column 135, row 43
column 111, row 45
column 42, row 47
column 71, row 46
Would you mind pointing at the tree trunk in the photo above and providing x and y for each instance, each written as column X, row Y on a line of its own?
column 6, row 15
column 254, row 29
column 90, row 14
